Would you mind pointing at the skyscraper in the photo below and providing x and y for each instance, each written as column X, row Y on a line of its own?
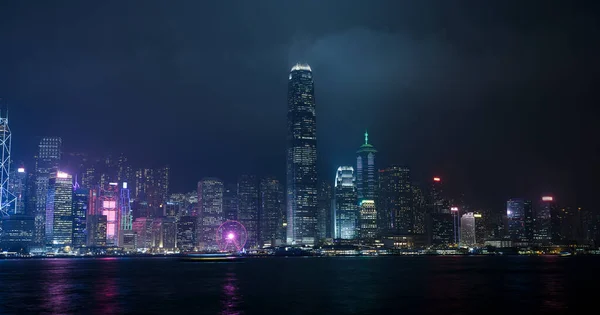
column 396, row 198
column 18, row 188
column 81, row 199
column 520, row 219
column 186, row 233
column 7, row 199
column 107, row 204
column 301, row 157
column 345, row 204
column 367, row 220
column 210, row 205
column 59, row 211
column 47, row 160
column 366, row 180
column 248, row 207
column 467, row 229
column 271, row 212
column 325, row 215
column 543, row 220
column 230, row 202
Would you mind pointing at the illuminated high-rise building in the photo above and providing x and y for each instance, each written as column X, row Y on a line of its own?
column 543, row 220
column 419, row 207
column 396, row 199
column 248, row 208
column 271, row 211
column 81, row 199
column 467, row 230
column 18, row 188
column 345, row 204
column 367, row 220
column 186, row 233
column 366, row 173
column 520, row 220
column 325, row 215
column 107, row 204
column 230, row 202
column 59, row 210
column 125, row 208
column 210, row 216
column 7, row 198
column 301, row 187
column 96, row 230
column 151, row 189
column 47, row 161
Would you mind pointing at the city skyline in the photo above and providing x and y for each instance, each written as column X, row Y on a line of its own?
column 435, row 94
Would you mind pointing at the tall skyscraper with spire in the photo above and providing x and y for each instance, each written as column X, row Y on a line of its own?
column 301, row 157
column 366, row 180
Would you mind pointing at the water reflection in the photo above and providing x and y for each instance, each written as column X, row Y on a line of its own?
column 106, row 290
column 553, row 290
column 58, row 285
column 231, row 297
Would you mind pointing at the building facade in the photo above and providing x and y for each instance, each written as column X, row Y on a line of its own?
column 467, row 230
column 345, row 204
column 47, row 162
column 519, row 214
column 367, row 220
column 366, row 173
column 301, row 187
column 396, row 198
column 248, row 208
column 81, row 199
column 543, row 220
column 272, row 212
column 210, row 216
column 59, row 211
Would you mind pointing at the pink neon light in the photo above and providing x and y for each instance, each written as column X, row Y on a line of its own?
column 109, row 204
column 547, row 198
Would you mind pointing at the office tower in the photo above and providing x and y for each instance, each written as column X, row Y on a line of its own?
column 366, row 173
column 59, row 210
column 7, row 198
column 152, row 189
column 467, row 230
column 301, row 158
column 436, row 201
column 125, row 208
column 47, row 160
column 210, row 216
column 325, row 212
column 18, row 188
column 186, row 233
column 419, row 207
column 271, row 211
column 81, row 199
column 396, row 198
column 345, row 205
column 16, row 233
column 96, row 230
column 124, row 171
column 520, row 220
column 107, row 204
column 248, row 208
column 543, row 220
column 230, row 202
column 367, row 220
column 481, row 230
column 440, row 229
column 144, row 228
column 168, row 234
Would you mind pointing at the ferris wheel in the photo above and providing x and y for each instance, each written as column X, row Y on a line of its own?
column 231, row 236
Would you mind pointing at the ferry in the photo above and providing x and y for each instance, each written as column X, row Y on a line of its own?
column 565, row 254
column 212, row 257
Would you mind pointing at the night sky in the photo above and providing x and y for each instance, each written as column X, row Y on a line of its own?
column 497, row 98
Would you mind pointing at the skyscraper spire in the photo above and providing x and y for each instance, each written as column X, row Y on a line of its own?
column 366, row 137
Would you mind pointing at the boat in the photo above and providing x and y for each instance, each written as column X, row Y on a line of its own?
column 565, row 254
column 212, row 257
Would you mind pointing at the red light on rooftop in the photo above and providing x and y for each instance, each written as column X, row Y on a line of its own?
column 437, row 179
column 547, row 198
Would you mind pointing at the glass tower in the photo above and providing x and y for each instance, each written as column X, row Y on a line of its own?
column 301, row 157
column 47, row 159
column 81, row 199
column 59, row 210
column 520, row 220
column 345, row 204
column 543, row 220
column 366, row 180
column 248, row 208
column 210, row 204
column 271, row 211
column 396, row 198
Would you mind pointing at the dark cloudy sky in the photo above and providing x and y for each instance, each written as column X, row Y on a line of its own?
column 497, row 97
